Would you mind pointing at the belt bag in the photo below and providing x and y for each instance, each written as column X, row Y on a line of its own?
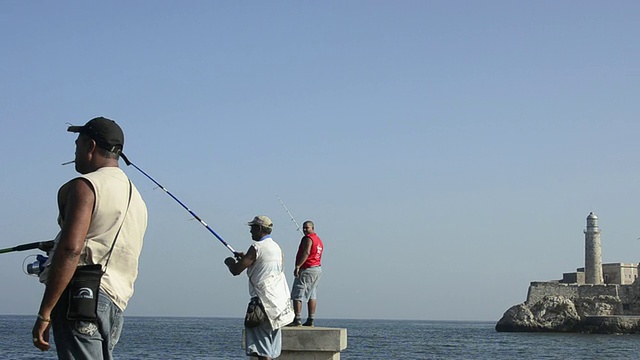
column 83, row 293
column 84, row 286
column 255, row 313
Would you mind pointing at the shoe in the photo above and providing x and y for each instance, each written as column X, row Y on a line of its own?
column 309, row 322
column 295, row 322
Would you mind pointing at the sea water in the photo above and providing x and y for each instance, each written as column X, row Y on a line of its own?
column 220, row 338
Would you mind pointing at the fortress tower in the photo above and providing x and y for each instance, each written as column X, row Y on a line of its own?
column 592, row 251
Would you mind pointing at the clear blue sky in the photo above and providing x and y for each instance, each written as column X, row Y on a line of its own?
column 448, row 151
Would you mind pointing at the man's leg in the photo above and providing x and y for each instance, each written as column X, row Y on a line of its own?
column 111, row 323
column 314, row 275
column 311, row 307
column 297, row 293
column 297, row 310
column 297, row 307
column 86, row 340
column 311, row 311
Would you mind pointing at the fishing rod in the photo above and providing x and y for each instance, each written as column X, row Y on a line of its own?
column 34, row 268
column 182, row 204
column 288, row 212
column 42, row 245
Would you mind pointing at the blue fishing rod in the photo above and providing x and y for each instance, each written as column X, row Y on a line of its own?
column 182, row 204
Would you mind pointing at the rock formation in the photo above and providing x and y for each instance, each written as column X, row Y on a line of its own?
column 598, row 314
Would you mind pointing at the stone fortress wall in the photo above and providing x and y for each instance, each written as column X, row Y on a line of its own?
column 628, row 295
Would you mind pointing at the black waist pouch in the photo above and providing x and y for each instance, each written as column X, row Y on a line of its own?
column 255, row 313
column 83, row 293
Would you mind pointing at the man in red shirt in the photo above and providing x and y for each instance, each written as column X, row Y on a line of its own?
column 307, row 274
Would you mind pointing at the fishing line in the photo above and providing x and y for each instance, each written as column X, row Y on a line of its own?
column 292, row 219
column 181, row 203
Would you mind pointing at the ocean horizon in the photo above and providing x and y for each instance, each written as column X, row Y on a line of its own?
column 221, row 338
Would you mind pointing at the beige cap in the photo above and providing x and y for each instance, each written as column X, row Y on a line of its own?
column 261, row 220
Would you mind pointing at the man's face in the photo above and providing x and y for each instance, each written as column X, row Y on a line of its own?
column 255, row 232
column 307, row 229
column 82, row 154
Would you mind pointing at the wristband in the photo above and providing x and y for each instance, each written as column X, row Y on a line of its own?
column 44, row 319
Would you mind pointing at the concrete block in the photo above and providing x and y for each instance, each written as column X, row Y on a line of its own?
column 304, row 338
column 312, row 343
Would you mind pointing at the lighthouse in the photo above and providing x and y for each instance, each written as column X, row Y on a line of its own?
column 592, row 251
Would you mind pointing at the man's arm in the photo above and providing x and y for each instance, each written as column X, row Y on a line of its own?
column 246, row 260
column 303, row 255
column 78, row 210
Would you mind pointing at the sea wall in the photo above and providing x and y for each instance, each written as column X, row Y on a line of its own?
column 628, row 295
column 538, row 290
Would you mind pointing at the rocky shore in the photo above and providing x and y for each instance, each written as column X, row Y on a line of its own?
column 597, row 314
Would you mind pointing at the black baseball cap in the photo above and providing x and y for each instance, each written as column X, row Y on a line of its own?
column 106, row 133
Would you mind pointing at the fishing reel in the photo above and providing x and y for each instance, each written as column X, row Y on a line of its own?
column 34, row 268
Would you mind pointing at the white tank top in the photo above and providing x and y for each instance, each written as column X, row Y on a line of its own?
column 111, row 188
column 268, row 263
column 268, row 282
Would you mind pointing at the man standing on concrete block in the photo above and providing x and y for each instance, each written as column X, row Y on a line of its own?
column 264, row 262
column 307, row 274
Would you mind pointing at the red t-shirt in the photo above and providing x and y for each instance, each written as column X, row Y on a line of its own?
column 315, row 255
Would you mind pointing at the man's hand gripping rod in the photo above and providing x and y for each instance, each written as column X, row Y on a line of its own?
column 183, row 205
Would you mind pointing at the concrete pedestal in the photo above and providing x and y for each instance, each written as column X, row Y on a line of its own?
column 311, row 343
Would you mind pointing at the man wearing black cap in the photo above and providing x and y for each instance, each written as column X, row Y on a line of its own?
column 103, row 220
